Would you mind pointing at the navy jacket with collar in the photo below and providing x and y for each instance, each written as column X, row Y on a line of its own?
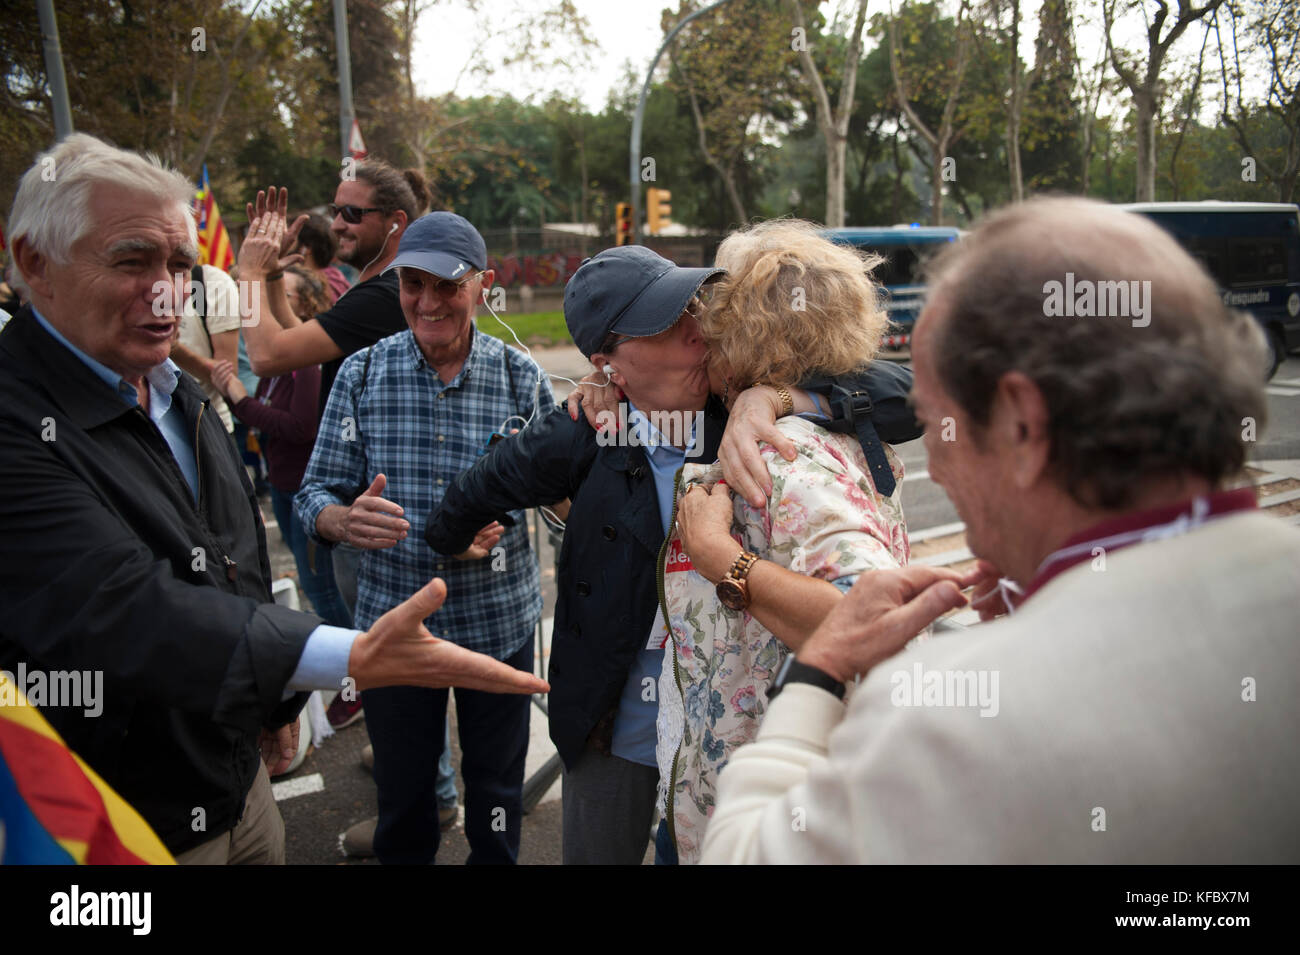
column 607, row 588
column 108, row 564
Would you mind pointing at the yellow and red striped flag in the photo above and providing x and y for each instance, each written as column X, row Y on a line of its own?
column 54, row 809
column 214, row 241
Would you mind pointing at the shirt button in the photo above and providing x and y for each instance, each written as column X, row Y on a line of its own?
column 439, row 480
column 583, row 588
column 440, row 438
column 609, row 532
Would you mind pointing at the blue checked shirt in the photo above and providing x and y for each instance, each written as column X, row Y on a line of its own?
column 420, row 433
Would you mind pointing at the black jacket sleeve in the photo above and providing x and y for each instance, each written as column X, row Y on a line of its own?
column 82, row 591
column 542, row 464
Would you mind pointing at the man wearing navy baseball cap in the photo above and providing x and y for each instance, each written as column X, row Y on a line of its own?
column 405, row 417
column 633, row 313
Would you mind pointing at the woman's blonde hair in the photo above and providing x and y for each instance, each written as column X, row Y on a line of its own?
column 793, row 303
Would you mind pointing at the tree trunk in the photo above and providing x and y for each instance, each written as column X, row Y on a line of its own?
column 1145, row 102
column 1013, row 114
column 936, row 182
column 835, row 152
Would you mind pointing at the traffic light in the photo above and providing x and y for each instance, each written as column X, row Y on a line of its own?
column 657, row 209
column 623, row 223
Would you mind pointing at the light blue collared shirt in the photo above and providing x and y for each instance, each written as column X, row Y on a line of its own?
column 162, row 383
column 634, row 723
column 324, row 660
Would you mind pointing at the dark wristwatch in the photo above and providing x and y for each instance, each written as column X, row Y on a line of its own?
column 733, row 589
column 792, row 671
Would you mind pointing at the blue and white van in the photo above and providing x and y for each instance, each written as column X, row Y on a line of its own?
column 1252, row 250
column 905, row 248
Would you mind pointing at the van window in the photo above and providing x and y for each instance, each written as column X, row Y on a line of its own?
column 1257, row 261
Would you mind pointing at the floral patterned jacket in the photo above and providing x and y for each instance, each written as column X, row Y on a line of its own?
column 825, row 519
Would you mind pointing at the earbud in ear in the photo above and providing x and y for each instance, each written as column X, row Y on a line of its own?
column 393, row 229
column 608, row 369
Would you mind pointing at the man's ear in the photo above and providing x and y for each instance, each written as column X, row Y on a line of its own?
column 1019, row 423
column 33, row 266
column 485, row 282
column 600, row 360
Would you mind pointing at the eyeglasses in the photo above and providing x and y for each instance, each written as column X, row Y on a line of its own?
column 351, row 214
column 447, row 288
column 693, row 309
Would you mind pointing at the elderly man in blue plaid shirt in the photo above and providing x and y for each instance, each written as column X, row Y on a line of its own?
column 404, row 418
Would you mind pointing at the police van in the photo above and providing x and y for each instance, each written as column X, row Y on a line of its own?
column 1252, row 250
column 906, row 249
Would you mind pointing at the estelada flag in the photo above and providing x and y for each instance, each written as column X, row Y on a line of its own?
column 214, row 241
column 54, row 809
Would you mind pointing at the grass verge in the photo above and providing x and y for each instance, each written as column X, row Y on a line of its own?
column 537, row 328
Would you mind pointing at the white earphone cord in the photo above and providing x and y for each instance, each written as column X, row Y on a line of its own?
column 548, row 515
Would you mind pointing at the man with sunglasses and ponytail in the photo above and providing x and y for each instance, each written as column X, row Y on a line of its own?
column 369, row 215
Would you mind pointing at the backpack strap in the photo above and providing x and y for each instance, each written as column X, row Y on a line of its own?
column 871, row 404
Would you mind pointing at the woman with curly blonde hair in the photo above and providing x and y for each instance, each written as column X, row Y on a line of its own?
column 744, row 586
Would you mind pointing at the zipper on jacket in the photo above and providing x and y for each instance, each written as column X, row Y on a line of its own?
column 677, row 676
column 198, row 469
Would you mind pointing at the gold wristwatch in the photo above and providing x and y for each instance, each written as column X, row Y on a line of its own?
column 787, row 401
column 733, row 589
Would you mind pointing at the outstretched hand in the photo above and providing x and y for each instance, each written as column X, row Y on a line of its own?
column 398, row 650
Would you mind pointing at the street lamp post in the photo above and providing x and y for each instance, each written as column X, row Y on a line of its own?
column 634, row 164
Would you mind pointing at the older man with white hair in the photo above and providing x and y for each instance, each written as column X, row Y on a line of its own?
column 133, row 552
column 1136, row 705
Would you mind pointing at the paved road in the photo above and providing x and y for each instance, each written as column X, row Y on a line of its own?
column 344, row 793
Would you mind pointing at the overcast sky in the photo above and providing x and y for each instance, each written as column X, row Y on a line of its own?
column 628, row 31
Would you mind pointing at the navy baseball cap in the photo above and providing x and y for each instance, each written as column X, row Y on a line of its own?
column 443, row 244
column 628, row 290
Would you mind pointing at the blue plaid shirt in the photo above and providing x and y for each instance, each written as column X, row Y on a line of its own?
column 406, row 424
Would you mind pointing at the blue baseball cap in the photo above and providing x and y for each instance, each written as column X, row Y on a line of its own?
column 443, row 244
column 628, row 290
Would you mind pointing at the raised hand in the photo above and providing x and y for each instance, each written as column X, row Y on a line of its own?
column 484, row 541
column 373, row 522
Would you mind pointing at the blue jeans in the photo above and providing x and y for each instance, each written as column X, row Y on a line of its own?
column 407, row 727
column 315, row 569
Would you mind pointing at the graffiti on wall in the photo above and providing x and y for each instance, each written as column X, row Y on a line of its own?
column 540, row 269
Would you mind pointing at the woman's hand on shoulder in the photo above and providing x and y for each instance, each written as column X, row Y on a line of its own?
column 752, row 421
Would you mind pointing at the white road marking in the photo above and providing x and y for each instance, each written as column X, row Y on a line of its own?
column 918, row 476
column 1283, row 392
column 301, row 786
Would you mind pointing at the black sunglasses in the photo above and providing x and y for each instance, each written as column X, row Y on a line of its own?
column 350, row 214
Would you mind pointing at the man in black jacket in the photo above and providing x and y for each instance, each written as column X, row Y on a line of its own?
column 633, row 314
column 133, row 550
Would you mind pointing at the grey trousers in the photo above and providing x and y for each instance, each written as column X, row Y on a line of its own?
column 608, row 808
